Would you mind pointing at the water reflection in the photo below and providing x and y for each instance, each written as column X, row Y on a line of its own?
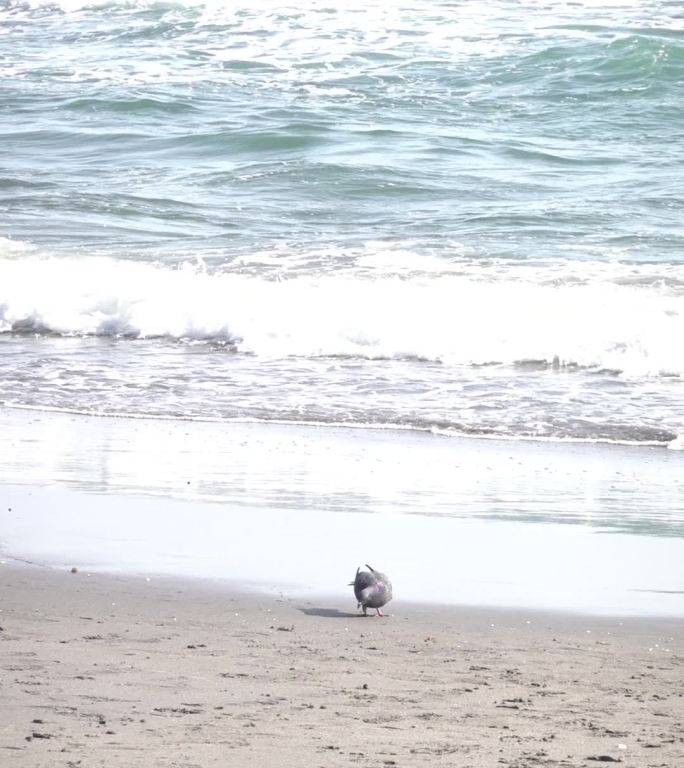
column 610, row 488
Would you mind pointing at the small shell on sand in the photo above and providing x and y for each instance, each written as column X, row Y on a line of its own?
column 74, row 569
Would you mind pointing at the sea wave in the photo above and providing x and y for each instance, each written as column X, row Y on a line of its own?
column 480, row 317
column 620, row 60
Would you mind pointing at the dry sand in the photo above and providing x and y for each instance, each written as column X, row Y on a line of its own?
column 112, row 671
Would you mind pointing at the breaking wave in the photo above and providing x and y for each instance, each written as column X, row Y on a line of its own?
column 471, row 319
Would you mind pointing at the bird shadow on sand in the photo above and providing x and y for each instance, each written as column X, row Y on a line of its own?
column 330, row 613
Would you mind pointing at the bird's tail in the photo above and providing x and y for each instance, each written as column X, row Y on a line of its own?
column 351, row 583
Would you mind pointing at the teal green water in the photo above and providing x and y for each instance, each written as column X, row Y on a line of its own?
column 506, row 129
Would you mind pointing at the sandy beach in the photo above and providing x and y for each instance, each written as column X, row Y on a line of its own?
column 288, row 289
column 208, row 622
column 133, row 671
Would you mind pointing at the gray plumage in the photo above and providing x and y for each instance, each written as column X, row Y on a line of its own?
column 372, row 589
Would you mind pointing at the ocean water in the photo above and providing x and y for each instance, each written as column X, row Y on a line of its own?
column 455, row 217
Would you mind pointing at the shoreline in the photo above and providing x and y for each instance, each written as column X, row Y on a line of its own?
column 432, row 559
column 235, row 588
column 130, row 672
column 591, row 529
column 676, row 443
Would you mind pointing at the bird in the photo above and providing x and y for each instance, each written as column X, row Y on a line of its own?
column 372, row 589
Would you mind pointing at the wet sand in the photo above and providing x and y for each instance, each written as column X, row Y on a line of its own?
column 591, row 528
column 125, row 671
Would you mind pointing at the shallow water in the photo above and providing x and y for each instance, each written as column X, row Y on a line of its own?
column 461, row 218
column 606, row 488
column 441, row 560
column 581, row 528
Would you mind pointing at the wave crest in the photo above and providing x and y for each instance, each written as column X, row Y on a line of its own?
column 446, row 318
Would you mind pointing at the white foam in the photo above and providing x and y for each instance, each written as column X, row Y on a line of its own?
column 481, row 316
column 280, row 33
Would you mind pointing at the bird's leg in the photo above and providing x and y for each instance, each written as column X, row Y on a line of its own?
column 379, row 613
column 364, row 611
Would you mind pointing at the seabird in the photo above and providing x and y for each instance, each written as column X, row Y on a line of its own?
column 372, row 589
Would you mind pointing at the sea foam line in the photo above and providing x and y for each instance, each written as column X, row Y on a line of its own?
column 471, row 319
column 677, row 444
